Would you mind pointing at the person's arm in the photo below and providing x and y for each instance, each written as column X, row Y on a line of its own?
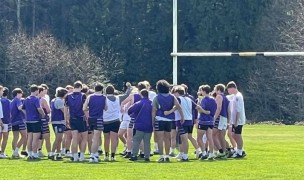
column 127, row 100
column 238, row 110
column 127, row 93
column 135, row 108
column 201, row 109
column 106, row 105
column 67, row 113
column 219, row 102
column 85, row 107
column 179, row 109
column 154, row 108
column 173, row 109
column 45, row 105
column 229, row 115
column 1, row 115
column 39, row 108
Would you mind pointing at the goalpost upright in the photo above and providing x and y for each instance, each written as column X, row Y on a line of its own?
column 176, row 54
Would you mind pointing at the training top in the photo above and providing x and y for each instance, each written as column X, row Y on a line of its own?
column 6, row 110
column 240, row 108
column 75, row 102
column 225, row 105
column 113, row 110
column 164, row 102
column 31, row 105
column 17, row 116
column 57, row 116
column 96, row 105
column 208, row 104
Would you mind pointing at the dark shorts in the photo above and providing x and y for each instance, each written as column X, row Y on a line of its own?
column 185, row 130
column 163, row 126
column 216, row 123
column 205, row 127
column 111, row 127
column 78, row 124
column 34, row 127
column 45, row 126
column 19, row 127
column 173, row 126
column 58, row 128
column 238, row 129
column 131, row 124
column 95, row 124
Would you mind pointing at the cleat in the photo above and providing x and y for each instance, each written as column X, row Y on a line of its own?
column 198, row 155
column 184, row 160
column 93, row 160
column 172, row 154
column 204, row 157
column 179, row 156
column 106, row 158
column 160, row 160
column 100, row 152
column 147, row 159
column 24, row 153
column 133, row 158
column 113, row 159
column 210, row 159
column 141, row 156
column 40, row 154
column 167, row 159
column 29, row 158
column 128, row 155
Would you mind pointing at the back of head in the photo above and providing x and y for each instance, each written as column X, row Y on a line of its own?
column 185, row 87
column 144, row 93
column 5, row 92
column 33, row 88
column 17, row 91
column 61, row 92
column 162, row 86
column 180, row 90
column 40, row 89
column 110, row 89
column 220, row 87
column 85, row 88
column 78, row 84
column 141, row 85
column 206, row 89
column 45, row 86
column 98, row 87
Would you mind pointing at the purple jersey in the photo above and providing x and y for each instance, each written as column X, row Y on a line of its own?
column 17, row 115
column 75, row 102
column 225, row 104
column 31, row 105
column 207, row 104
column 57, row 114
column 165, row 103
column 96, row 106
column 137, row 98
column 6, row 110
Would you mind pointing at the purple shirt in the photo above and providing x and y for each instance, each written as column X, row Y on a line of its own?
column 96, row 106
column 165, row 103
column 31, row 105
column 137, row 98
column 17, row 115
column 6, row 110
column 75, row 102
column 225, row 104
column 208, row 104
column 143, row 120
column 57, row 114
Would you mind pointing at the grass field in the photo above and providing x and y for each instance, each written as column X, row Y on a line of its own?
column 273, row 152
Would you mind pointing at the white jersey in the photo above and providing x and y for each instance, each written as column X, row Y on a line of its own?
column 113, row 110
column 240, row 108
column 152, row 95
column 232, row 106
column 186, row 105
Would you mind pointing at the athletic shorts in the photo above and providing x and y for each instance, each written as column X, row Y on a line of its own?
column 58, row 128
column 95, row 124
column 78, row 124
column 131, row 123
column 45, row 126
column 163, row 126
column 173, row 126
column 124, row 124
column 185, row 129
column 223, row 123
column 238, row 129
column 216, row 123
column 19, row 127
column 205, row 127
column 67, row 129
column 5, row 128
column 111, row 127
column 34, row 127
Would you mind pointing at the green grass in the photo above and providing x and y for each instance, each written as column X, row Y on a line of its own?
column 273, row 152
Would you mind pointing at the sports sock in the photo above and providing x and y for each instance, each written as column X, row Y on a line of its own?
column 221, row 151
column 82, row 155
column 16, row 150
column 106, row 154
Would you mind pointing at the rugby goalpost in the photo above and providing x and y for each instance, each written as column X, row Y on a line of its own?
column 176, row 54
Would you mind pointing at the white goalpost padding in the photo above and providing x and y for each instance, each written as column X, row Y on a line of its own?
column 176, row 54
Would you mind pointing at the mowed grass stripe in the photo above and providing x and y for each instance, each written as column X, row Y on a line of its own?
column 274, row 152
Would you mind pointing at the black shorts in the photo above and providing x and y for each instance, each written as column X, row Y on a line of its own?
column 78, row 124
column 45, row 126
column 58, row 128
column 95, row 124
column 131, row 124
column 238, row 129
column 216, row 123
column 173, row 126
column 34, row 127
column 19, row 127
column 205, row 127
column 185, row 130
column 111, row 127
column 163, row 126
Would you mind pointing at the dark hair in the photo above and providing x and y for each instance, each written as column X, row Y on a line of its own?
column 98, row 87
column 68, row 87
column 206, row 89
column 231, row 84
column 185, row 87
column 17, row 91
column 40, row 89
column 141, row 85
column 85, row 88
column 110, row 89
column 78, row 84
column 144, row 93
column 5, row 91
column 213, row 94
column 162, row 86
column 61, row 92
column 180, row 90
column 45, row 86
column 220, row 87
column 34, row 88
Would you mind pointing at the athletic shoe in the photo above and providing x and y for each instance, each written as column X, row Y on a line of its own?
column 24, row 153
column 184, row 160
column 210, row 158
column 167, row 159
column 133, row 158
column 147, row 159
column 172, row 154
column 40, row 154
column 106, row 158
column 15, row 156
column 141, row 156
column 128, row 155
column 221, row 156
column 30, row 158
column 68, row 154
column 3, row 156
column 155, row 152
column 113, row 159
column 244, row 154
column 204, row 157
column 93, row 160
column 51, row 157
column 36, row 158
column 74, row 159
column 198, row 154
column 179, row 156
column 100, row 152
column 58, row 158
column 234, row 155
column 161, row 160
column 81, row 159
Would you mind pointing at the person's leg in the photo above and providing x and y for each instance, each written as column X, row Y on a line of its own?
column 210, row 143
column 173, row 142
column 200, row 134
column 239, row 140
column 114, row 141
column 95, row 144
column 83, row 144
column 231, row 138
column 129, row 142
column 184, row 146
column 215, row 137
column 4, row 141
column 29, row 144
column 106, row 145
column 89, row 140
column 167, row 141
column 160, row 141
column 68, row 140
column 74, row 145
column 147, row 145
column 15, row 140
column 47, row 140
column 121, row 135
column 137, row 138
column 35, row 138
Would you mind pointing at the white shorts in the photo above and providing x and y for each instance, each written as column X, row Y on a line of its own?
column 5, row 128
column 124, row 124
column 223, row 123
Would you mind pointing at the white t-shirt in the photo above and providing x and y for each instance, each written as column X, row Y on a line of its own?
column 1, row 111
column 113, row 110
column 232, row 105
column 152, row 95
column 240, row 108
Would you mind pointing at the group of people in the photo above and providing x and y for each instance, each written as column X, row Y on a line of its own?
column 79, row 116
